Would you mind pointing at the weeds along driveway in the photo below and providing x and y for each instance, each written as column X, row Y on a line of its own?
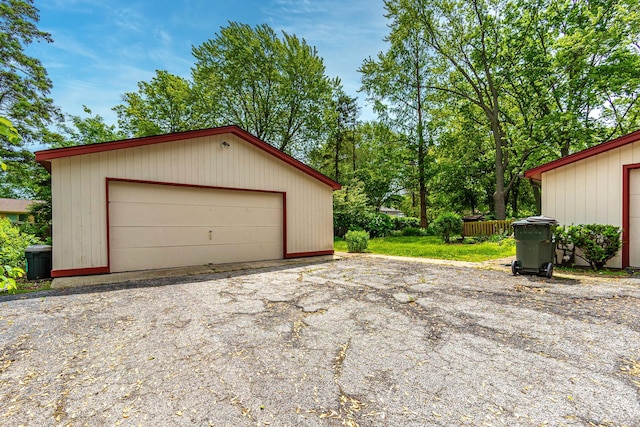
column 360, row 341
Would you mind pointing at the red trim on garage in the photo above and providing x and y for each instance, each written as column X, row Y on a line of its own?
column 80, row 272
column 208, row 187
column 106, row 183
column 308, row 254
column 176, row 184
column 536, row 173
column 44, row 157
column 626, row 172
column 284, row 225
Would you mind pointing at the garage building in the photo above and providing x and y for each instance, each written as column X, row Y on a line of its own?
column 599, row 185
column 216, row 195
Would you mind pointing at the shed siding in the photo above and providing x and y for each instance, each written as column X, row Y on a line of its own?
column 589, row 191
column 79, row 191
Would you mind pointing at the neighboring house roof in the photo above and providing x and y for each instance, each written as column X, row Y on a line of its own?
column 44, row 157
column 18, row 206
column 386, row 209
column 536, row 173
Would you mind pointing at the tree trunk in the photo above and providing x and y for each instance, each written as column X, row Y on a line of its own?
column 500, row 193
column 535, row 185
column 337, row 159
column 422, row 179
column 514, row 193
column 500, row 205
column 423, row 186
column 490, row 201
column 353, row 152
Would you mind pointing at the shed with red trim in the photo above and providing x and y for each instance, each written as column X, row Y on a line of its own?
column 215, row 195
column 599, row 185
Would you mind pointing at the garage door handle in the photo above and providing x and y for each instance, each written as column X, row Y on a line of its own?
column 210, row 234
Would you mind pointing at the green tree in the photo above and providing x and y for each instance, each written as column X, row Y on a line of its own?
column 396, row 82
column 24, row 94
column 91, row 129
column 465, row 42
column 370, row 153
column 336, row 157
column 350, row 206
column 166, row 104
column 10, row 133
column 382, row 163
column 574, row 81
column 24, row 84
column 275, row 88
column 343, row 131
column 546, row 77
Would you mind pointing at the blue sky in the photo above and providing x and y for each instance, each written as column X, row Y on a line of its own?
column 103, row 49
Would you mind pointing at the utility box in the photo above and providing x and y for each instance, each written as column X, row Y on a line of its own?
column 38, row 262
column 535, row 246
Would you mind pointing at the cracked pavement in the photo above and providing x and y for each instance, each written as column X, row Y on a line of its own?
column 362, row 341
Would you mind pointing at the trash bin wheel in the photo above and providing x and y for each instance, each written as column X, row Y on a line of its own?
column 548, row 271
column 515, row 267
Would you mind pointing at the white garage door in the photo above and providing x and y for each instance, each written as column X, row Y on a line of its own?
column 634, row 218
column 158, row 226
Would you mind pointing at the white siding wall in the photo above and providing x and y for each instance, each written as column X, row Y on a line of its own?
column 589, row 191
column 79, row 191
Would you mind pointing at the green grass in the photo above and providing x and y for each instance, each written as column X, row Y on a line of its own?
column 433, row 247
column 587, row 271
column 26, row 286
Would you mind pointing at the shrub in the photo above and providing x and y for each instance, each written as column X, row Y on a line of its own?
column 564, row 244
column 402, row 222
column 8, row 276
column 448, row 224
column 357, row 241
column 377, row 224
column 430, row 230
column 13, row 243
column 497, row 238
column 598, row 243
column 412, row 231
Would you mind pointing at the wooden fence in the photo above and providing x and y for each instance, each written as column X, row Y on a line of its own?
column 486, row 228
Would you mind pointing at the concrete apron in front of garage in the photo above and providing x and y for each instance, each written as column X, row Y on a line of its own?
column 131, row 276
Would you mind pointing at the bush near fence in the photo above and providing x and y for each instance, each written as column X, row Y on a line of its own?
column 486, row 228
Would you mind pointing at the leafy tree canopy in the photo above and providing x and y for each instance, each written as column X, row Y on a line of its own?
column 276, row 88
column 24, row 84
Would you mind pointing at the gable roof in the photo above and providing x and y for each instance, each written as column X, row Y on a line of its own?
column 536, row 173
column 16, row 205
column 44, row 157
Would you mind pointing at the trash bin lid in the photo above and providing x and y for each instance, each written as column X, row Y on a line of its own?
column 542, row 219
column 536, row 220
column 38, row 248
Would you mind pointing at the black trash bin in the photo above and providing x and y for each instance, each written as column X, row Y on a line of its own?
column 535, row 246
column 38, row 262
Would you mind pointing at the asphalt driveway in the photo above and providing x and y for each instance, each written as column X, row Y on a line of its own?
column 360, row 341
